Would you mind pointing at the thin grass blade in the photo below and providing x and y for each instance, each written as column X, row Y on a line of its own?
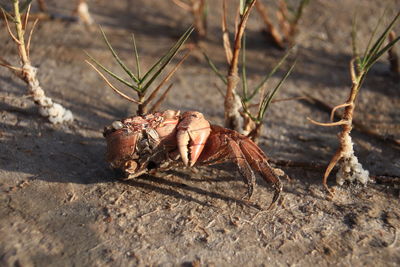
column 119, row 92
column 115, row 76
column 372, row 36
column 244, row 4
column 25, row 5
column 156, row 105
column 299, row 10
column 269, row 75
column 215, row 69
column 378, row 44
column 136, row 57
column 354, row 45
column 123, row 66
column 247, row 111
column 381, row 52
column 268, row 98
column 165, row 80
column 163, row 62
column 160, row 64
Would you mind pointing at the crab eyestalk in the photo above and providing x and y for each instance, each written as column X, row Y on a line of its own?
column 163, row 140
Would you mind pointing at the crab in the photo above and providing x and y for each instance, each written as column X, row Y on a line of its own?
column 162, row 140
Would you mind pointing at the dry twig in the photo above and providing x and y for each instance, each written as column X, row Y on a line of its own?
column 81, row 13
column 270, row 28
column 198, row 8
column 284, row 35
column 47, row 108
column 357, row 125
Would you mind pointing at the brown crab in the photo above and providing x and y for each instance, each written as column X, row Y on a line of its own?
column 139, row 144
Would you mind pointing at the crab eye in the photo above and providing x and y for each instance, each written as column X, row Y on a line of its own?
column 117, row 125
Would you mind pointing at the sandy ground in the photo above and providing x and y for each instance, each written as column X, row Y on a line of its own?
column 60, row 205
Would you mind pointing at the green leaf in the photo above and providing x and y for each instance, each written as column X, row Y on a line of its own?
column 136, row 57
column 299, row 11
column 168, row 56
column 380, row 53
column 215, row 69
column 24, row 5
column 159, row 66
column 269, row 75
column 125, row 68
column 243, row 6
column 371, row 54
column 120, row 79
column 354, row 42
column 268, row 98
column 246, row 110
column 372, row 36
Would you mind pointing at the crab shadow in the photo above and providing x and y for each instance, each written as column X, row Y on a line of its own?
column 181, row 190
column 62, row 154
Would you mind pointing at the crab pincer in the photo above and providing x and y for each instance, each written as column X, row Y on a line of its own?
column 141, row 144
column 193, row 132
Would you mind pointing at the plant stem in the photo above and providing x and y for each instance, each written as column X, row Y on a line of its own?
column 256, row 132
column 200, row 17
column 270, row 28
column 142, row 109
column 345, row 151
column 42, row 5
column 232, row 104
column 393, row 57
column 20, row 34
column 47, row 108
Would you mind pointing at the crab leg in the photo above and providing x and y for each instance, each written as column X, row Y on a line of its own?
column 258, row 161
column 220, row 149
column 226, row 145
column 243, row 166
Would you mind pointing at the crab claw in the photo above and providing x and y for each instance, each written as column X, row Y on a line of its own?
column 193, row 131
